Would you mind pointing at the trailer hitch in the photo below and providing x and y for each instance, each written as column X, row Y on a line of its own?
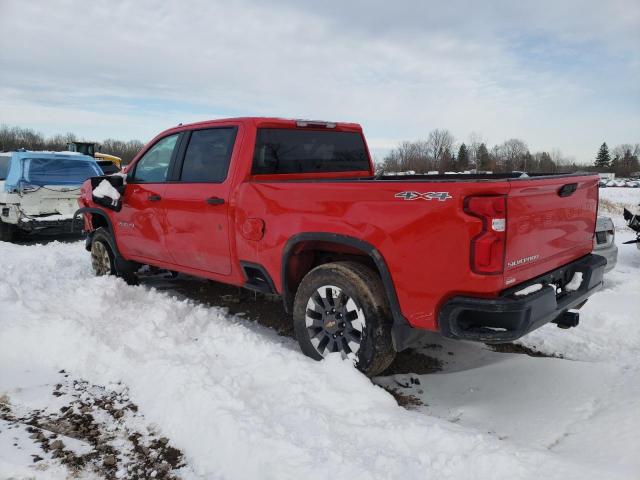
column 568, row 319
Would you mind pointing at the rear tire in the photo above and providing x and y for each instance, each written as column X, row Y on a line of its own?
column 342, row 307
column 7, row 232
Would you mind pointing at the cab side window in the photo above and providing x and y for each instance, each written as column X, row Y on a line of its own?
column 153, row 167
column 208, row 154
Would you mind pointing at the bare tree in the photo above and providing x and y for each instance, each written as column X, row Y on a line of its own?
column 513, row 155
column 543, row 162
column 408, row 156
column 439, row 145
column 473, row 147
column 12, row 138
column 620, row 150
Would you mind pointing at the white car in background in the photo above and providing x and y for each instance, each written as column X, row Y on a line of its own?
column 604, row 242
column 39, row 190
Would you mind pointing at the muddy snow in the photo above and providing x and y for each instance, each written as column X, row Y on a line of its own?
column 180, row 378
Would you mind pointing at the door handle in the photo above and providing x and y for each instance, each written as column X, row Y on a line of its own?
column 154, row 198
column 215, row 201
column 568, row 189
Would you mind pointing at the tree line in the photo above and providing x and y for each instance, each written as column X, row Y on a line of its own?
column 623, row 160
column 13, row 138
column 439, row 152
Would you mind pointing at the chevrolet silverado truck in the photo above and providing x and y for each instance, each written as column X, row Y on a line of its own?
column 363, row 262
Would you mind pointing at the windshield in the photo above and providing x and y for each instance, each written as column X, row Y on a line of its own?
column 56, row 171
column 4, row 166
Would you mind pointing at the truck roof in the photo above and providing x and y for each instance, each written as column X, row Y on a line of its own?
column 273, row 122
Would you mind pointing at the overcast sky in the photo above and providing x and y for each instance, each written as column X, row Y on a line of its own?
column 558, row 74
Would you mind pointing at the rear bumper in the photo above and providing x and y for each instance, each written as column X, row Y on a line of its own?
column 509, row 316
column 610, row 253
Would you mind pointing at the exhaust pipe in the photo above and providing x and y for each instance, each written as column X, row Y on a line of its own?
column 568, row 319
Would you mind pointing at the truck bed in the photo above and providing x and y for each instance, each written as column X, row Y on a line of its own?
column 419, row 225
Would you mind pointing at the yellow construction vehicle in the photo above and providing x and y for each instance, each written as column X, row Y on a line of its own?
column 108, row 163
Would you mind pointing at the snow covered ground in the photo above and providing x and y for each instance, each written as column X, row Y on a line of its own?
column 239, row 401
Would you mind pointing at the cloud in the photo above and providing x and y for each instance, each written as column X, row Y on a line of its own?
column 557, row 74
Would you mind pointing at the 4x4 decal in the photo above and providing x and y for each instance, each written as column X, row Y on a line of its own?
column 440, row 196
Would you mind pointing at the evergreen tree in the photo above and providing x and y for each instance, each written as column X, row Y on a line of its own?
column 463, row 158
column 484, row 161
column 446, row 164
column 602, row 159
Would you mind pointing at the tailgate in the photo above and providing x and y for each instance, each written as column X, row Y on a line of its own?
column 48, row 201
column 550, row 222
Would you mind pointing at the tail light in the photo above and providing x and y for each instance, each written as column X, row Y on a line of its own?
column 488, row 247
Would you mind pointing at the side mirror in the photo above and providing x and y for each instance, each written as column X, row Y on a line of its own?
column 108, row 190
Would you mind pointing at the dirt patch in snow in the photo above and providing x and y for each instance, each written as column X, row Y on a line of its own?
column 96, row 430
column 411, row 361
column 406, row 401
column 518, row 348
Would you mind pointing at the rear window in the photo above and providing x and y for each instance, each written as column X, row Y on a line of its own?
column 56, row 171
column 4, row 166
column 308, row 151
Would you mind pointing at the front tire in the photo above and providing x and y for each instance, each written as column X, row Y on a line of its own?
column 102, row 257
column 342, row 307
column 104, row 261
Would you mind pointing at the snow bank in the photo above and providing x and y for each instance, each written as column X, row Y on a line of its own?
column 240, row 401
column 625, row 195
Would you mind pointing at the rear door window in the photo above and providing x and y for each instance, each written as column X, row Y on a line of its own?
column 153, row 167
column 208, row 155
column 281, row 150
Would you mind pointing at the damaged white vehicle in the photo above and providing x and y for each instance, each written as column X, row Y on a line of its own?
column 39, row 191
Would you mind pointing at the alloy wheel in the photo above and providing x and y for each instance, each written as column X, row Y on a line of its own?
column 100, row 259
column 335, row 322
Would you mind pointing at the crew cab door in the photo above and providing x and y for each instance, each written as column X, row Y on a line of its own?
column 139, row 225
column 196, row 202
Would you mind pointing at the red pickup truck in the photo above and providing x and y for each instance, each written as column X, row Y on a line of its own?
column 363, row 262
